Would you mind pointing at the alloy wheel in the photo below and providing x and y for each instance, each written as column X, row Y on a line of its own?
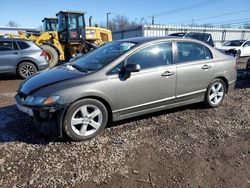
column 216, row 93
column 86, row 120
column 27, row 70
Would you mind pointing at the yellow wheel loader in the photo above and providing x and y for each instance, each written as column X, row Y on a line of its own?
column 50, row 24
column 71, row 37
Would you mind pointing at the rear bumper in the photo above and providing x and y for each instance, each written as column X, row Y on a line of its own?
column 43, row 67
column 231, row 85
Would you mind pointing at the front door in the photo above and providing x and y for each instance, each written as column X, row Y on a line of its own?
column 154, row 85
column 9, row 56
column 246, row 49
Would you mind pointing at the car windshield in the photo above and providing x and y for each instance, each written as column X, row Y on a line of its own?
column 103, row 55
column 234, row 43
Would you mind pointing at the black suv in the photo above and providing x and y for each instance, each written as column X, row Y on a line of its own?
column 205, row 37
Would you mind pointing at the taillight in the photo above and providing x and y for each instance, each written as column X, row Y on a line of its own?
column 43, row 54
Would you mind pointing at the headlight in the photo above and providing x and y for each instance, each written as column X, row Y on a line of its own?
column 32, row 100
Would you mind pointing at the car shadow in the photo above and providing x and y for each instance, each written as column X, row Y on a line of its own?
column 159, row 113
column 6, row 76
column 16, row 126
column 243, row 79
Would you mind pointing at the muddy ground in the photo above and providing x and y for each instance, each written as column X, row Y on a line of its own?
column 189, row 146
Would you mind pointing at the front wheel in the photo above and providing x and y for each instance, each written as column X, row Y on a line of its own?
column 215, row 93
column 238, row 53
column 85, row 119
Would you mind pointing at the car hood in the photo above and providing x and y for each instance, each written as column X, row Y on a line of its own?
column 49, row 77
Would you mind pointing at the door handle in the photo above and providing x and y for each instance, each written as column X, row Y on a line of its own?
column 205, row 67
column 167, row 73
column 15, row 53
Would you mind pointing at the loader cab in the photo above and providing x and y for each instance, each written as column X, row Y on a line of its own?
column 71, row 26
column 50, row 24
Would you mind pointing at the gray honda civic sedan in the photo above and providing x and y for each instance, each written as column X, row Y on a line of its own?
column 124, row 79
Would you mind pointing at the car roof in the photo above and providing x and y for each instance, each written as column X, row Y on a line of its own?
column 194, row 33
column 141, row 40
column 13, row 39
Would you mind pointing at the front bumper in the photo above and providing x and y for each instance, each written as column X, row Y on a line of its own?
column 44, row 116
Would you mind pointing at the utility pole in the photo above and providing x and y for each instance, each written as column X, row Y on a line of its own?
column 108, row 13
column 153, row 20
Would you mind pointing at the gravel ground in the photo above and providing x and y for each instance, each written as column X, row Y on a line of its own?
column 185, row 147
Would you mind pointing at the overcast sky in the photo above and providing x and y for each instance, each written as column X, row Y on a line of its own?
column 29, row 13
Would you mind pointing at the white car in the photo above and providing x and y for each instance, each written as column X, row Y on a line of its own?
column 236, row 47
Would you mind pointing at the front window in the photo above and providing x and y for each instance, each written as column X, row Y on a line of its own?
column 103, row 55
column 5, row 46
column 61, row 22
column 152, row 56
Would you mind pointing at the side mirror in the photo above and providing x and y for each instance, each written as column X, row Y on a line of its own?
column 126, row 72
column 132, row 68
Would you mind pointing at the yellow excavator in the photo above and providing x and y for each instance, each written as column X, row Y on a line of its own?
column 70, row 38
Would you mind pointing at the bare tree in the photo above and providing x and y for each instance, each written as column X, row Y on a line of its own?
column 12, row 24
column 246, row 26
column 121, row 22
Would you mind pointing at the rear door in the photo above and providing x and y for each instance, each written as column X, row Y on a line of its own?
column 9, row 55
column 195, row 68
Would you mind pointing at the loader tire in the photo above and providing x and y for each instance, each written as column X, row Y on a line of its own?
column 52, row 55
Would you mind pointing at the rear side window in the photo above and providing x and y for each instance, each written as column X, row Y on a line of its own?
column 5, row 46
column 15, row 47
column 190, row 51
column 23, row 45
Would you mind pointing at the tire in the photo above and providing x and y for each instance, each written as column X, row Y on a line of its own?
column 52, row 55
column 248, row 65
column 26, row 69
column 238, row 54
column 85, row 126
column 215, row 93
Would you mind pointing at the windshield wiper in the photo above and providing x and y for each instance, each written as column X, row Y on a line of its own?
column 79, row 68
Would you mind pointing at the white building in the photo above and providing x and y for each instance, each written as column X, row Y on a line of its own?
column 219, row 35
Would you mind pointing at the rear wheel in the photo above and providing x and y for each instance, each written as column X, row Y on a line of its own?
column 215, row 93
column 85, row 119
column 26, row 69
column 51, row 55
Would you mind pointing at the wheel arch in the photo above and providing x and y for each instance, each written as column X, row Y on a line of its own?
column 26, row 60
column 224, row 80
